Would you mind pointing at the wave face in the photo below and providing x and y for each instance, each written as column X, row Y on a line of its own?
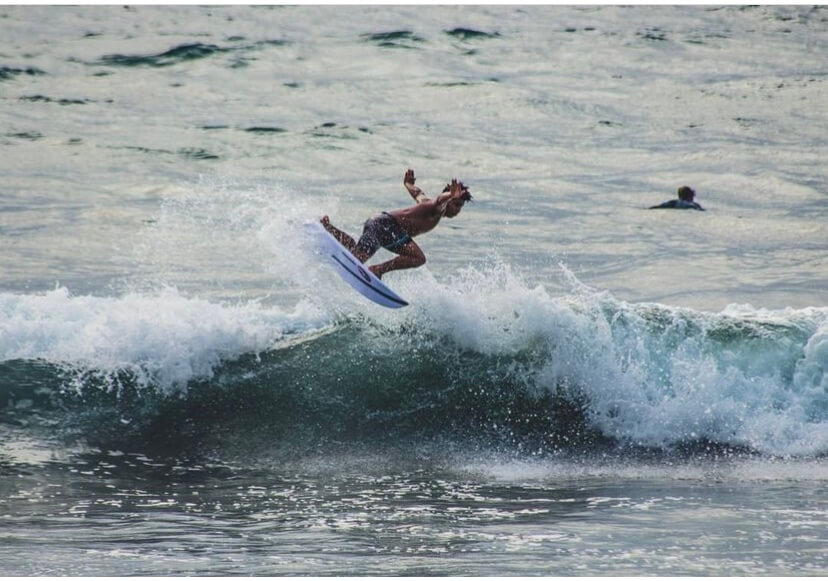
column 481, row 361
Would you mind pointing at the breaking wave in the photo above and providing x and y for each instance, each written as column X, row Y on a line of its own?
column 482, row 360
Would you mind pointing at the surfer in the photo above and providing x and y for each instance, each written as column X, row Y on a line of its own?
column 395, row 230
column 684, row 201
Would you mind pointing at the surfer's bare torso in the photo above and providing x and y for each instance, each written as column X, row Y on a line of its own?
column 395, row 230
column 426, row 214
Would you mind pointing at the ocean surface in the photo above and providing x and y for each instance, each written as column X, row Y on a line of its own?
column 580, row 386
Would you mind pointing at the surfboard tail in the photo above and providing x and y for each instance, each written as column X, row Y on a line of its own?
column 353, row 271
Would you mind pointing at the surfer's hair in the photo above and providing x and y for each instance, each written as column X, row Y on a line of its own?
column 686, row 193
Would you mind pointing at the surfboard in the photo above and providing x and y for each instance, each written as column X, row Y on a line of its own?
column 352, row 270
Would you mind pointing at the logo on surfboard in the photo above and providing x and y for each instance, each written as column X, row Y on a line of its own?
column 364, row 274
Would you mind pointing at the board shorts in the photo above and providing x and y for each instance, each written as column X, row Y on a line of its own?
column 382, row 230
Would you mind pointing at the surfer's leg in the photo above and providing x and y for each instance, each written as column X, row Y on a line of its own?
column 410, row 256
column 369, row 242
column 344, row 239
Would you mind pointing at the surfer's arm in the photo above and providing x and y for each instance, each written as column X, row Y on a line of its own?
column 416, row 193
column 452, row 191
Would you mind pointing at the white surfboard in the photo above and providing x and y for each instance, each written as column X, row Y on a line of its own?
column 352, row 270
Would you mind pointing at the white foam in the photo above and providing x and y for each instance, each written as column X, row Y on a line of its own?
column 165, row 338
column 652, row 375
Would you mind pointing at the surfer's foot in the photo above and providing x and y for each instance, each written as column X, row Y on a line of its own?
column 326, row 224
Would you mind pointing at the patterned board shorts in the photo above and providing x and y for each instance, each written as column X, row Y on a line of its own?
column 382, row 230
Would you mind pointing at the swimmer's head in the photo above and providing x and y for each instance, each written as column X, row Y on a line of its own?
column 686, row 193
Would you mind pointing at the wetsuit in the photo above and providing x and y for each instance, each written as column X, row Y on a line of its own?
column 679, row 205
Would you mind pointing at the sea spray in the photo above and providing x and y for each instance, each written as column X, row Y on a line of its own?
column 229, row 237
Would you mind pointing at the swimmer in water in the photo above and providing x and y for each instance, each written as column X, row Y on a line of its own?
column 684, row 201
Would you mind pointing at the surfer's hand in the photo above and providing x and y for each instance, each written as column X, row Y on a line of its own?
column 409, row 177
column 325, row 220
column 457, row 189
